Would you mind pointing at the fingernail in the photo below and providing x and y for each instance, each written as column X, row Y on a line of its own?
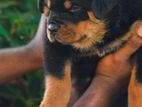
column 139, row 31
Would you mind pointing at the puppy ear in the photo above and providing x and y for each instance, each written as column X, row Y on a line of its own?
column 43, row 7
column 40, row 5
column 101, row 8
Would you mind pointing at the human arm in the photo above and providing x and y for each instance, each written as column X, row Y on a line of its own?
column 113, row 73
column 20, row 60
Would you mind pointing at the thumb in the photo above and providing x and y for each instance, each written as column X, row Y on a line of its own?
column 131, row 46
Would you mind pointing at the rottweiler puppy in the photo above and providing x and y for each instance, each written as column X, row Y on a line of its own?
column 79, row 33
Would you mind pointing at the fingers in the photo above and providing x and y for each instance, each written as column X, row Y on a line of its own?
column 131, row 46
column 139, row 31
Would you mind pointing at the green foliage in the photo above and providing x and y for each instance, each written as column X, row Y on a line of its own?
column 18, row 21
column 18, row 24
column 26, row 92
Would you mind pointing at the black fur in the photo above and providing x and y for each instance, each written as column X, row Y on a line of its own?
column 61, row 14
column 55, row 57
column 120, row 14
column 40, row 5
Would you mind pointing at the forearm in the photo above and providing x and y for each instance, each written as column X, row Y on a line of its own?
column 100, row 93
column 17, row 61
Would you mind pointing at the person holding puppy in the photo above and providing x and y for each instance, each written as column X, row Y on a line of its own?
column 112, row 70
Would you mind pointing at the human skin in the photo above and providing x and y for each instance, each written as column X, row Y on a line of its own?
column 17, row 61
column 113, row 74
column 134, row 89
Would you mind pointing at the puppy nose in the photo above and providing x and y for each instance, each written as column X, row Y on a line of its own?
column 53, row 28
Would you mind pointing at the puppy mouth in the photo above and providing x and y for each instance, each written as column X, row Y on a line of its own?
column 66, row 40
column 65, row 36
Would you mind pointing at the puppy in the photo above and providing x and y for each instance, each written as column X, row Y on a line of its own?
column 78, row 31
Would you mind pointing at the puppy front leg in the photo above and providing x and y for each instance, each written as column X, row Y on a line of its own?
column 57, row 90
column 134, row 91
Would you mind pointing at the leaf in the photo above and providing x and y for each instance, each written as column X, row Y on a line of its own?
column 6, row 4
column 3, row 32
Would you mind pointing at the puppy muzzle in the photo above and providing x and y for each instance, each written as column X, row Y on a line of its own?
column 53, row 28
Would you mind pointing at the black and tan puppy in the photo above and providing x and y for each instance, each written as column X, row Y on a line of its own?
column 77, row 32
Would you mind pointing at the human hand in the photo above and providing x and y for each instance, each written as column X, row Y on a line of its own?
column 36, row 45
column 113, row 74
column 116, row 66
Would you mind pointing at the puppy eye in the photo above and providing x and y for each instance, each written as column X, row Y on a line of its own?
column 75, row 8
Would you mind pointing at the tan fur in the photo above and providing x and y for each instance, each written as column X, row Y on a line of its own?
column 94, row 32
column 47, row 7
column 49, row 3
column 82, row 35
column 57, row 92
column 46, row 10
column 134, row 91
column 67, row 4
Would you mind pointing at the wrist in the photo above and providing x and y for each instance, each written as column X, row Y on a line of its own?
column 35, row 55
column 109, row 86
column 99, row 94
column 35, row 47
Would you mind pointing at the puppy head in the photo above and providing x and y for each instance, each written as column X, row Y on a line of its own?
column 77, row 22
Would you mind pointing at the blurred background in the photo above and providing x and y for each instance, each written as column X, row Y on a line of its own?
column 18, row 23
